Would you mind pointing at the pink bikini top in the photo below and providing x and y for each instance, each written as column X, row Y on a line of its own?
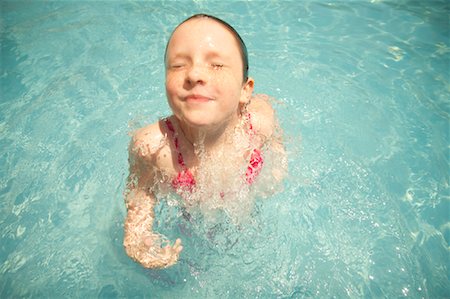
column 185, row 179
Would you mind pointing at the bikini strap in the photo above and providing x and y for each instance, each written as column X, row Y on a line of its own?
column 250, row 125
column 249, row 119
column 171, row 129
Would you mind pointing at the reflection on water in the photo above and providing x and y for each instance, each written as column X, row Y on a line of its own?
column 364, row 86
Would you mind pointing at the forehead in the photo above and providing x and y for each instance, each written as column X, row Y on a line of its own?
column 201, row 32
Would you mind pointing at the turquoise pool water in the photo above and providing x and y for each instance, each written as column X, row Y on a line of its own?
column 363, row 97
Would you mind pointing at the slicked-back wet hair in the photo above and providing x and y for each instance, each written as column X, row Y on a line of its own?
column 242, row 47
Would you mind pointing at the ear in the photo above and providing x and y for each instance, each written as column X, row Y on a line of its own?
column 247, row 91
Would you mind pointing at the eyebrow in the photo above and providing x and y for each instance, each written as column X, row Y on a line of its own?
column 180, row 55
column 215, row 54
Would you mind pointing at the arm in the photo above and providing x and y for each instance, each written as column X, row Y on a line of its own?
column 140, row 242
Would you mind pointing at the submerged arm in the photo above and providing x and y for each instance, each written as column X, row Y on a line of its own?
column 140, row 242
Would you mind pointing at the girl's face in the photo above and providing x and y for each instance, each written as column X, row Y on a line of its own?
column 204, row 71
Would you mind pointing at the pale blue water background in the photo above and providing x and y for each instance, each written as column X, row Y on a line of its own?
column 363, row 90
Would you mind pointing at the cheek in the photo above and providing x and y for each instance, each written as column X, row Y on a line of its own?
column 172, row 84
column 227, row 82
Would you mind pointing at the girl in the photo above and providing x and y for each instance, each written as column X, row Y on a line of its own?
column 215, row 123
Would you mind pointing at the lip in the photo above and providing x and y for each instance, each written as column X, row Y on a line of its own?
column 197, row 98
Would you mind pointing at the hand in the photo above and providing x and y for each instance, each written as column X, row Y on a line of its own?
column 157, row 257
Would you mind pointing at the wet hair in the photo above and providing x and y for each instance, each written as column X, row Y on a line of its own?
column 242, row 47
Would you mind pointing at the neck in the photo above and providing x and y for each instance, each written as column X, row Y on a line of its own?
column 209, row 136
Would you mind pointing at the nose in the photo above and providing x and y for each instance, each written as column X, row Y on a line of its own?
column 196, row 74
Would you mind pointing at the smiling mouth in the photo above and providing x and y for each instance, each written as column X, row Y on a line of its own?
column 197, row 98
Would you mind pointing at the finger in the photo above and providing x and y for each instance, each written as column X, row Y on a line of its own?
column 177, row 247
column 177, row 243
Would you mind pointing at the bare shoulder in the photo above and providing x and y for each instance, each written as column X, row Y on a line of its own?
column 146, row 142
column 263, row 115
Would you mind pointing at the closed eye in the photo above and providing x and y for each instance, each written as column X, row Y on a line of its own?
column 176, row 66
column 217, row 66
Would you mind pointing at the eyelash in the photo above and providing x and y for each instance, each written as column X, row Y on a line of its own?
column 217, row 66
